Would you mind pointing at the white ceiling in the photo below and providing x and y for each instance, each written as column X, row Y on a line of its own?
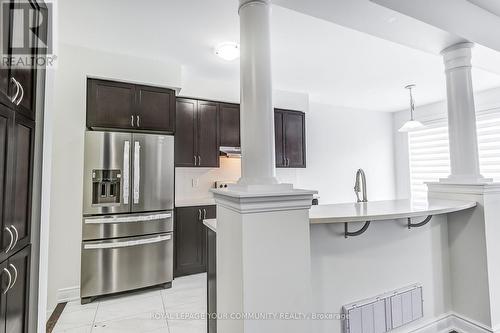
column 334, row 64
column 492, row 6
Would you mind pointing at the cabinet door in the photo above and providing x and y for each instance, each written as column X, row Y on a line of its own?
column 294, row 134
column 229, row 125
column 19, row 218
column 208, row 134
column 278, row 138
column 110, row 104
column 6, row 125
column 16, row 320
column 24, row 46
column 185, row 132
column 190, row 241
column 4, row 284
column 155, row 109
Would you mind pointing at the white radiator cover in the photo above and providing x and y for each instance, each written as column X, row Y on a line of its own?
column 385, row 312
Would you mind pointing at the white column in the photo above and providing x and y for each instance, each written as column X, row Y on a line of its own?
column 464, row 156
column 257, row 116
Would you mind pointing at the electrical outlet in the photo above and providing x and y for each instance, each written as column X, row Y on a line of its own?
column 195, row 182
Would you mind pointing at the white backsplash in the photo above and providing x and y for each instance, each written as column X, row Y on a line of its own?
column 195, row 183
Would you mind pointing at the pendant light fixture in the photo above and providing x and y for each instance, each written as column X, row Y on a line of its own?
column 411, row 124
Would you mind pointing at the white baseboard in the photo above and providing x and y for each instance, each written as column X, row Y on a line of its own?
column 68, row 294
column 454, row 322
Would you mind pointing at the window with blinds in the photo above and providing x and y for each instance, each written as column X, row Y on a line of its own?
column 430, row 156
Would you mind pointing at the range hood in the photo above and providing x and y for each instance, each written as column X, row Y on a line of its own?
column 230, row 151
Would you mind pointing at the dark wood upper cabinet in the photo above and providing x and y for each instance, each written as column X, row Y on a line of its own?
column 186, row 132
column 6, row 129
column 208, row 134
column 229, row 125
column 17, row 302
column 18, row 82
column 197, row 133
column 155, row 109
column 110, row 104
column 128, row 106
column 290, row 136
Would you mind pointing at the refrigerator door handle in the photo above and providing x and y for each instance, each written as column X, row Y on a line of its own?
column 126, row 172
column 137, row 171
column 128, row 219
column 127, row 243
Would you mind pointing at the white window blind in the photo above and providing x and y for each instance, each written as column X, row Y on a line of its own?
column 430, row 156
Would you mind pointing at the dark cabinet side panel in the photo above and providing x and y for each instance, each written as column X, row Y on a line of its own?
column 110, row 104
column 155, row 109
column 18, row 294
column 229, row 125
column 278, row 138
column 294, row 134
column 190, row 241
column 185, row 132
column 22, row 180
column 208, row 134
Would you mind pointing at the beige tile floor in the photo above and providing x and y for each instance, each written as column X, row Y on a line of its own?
column 152, row 311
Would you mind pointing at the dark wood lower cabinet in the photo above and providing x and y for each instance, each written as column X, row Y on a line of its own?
column 14, row 295
column 190, row 239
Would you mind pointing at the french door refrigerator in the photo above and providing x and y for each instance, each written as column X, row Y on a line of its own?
column 128, row 204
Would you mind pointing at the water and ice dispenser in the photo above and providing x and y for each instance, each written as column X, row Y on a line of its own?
column 106, row 187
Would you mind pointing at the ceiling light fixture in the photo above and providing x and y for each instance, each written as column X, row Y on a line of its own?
column 228, row 51
column 411, row 124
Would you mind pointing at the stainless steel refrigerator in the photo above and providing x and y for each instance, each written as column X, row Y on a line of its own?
column 128, row 204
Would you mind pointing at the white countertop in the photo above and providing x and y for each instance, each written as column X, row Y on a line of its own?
column 195, row 202
column 383, row 210
column 211, row 224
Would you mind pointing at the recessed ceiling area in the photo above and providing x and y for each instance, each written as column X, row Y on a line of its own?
column 336, row 65
column 489, row 5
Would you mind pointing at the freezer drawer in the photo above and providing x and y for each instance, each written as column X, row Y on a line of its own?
column 123, row 264
column 128, row 225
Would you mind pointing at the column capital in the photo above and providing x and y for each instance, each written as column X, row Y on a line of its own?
column 244, row 3
column 457, row 55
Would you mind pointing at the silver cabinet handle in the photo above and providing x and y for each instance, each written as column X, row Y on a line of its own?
column 15, row 276
column 127, row 243
column 10, row 280
column 138, row 121
column 199, row 214
column 199, row 160
column 11, row 240
column 16, row 238
column 137, row 171
column 287, row 162
column 22, row 93
column 204, row 214
column 194, row 157
column 126, row 171
column 13, row 80
column 132, row 121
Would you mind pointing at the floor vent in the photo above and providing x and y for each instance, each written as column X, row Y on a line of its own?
column 384, row 312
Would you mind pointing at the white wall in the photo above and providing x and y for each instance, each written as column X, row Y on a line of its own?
column 386, row 257
column 68, row 125
column 484, row 100
column 341, row 140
